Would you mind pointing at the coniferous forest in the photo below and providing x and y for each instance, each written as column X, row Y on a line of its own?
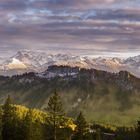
column 69, row 69
column 21, row 123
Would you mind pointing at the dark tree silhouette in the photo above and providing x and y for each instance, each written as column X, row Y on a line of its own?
column 7, row 120
column 56, row 112
column 82, row 127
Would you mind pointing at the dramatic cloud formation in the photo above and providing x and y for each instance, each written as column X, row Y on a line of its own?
column 75, row 26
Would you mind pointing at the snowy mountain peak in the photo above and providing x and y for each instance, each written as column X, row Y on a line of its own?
column 16, row 64
column 134, row 59
column 38, row 61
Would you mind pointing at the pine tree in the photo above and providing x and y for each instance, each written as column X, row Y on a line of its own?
column 98, row 134
column 17, row 125
column 0, row 123
column 7, row 120
column 81, row 128
column 138, row 128
column 38, row 130
column 27, row 126
column 56, row 113
column 31, row 128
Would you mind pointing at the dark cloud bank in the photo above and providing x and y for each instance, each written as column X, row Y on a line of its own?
column 76, row 26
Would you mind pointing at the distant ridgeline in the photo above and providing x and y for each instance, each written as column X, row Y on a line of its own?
column 102, row 96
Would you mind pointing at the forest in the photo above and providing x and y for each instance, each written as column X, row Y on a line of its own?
column 21, row 123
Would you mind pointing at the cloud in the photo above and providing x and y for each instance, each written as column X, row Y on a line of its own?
column 12, row 4
column 81, row 26
column 64, row 4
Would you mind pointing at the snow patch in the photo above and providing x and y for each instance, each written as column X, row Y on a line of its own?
column 16, row 64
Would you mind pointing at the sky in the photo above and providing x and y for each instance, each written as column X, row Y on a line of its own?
column 86, row 27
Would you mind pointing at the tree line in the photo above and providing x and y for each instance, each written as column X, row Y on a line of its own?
column 21, row 123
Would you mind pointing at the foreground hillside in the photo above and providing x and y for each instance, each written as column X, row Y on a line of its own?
column 102, row 96
column 21, row 123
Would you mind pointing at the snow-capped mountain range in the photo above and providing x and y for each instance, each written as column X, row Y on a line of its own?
column 27, row 61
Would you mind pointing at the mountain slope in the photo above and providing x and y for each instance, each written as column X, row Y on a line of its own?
column 28, row 61
column 116, row 96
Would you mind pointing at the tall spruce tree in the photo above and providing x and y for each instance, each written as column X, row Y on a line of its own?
column 56, row 113
column 7, row 120
column 81, row 128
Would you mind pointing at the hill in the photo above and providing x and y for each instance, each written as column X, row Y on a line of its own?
column 102, row 96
